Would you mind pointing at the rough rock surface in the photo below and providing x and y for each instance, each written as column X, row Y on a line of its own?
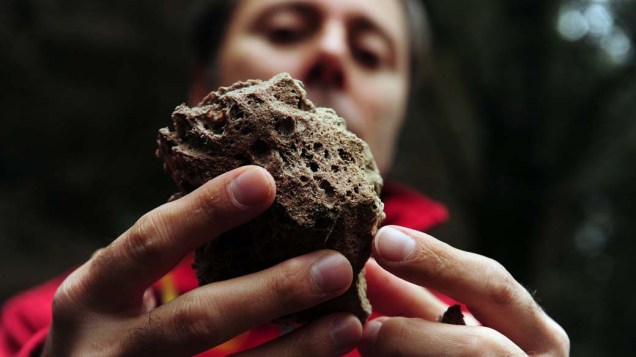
column 327, row 182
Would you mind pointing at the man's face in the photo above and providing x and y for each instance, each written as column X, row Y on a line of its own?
column 352, row 56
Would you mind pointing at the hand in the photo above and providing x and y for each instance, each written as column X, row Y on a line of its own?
column 513, row 323
column 106, row 308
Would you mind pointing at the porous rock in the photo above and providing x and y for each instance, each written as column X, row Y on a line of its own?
column 326, row 180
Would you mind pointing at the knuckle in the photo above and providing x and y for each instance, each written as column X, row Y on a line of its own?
column 103, row 258
column 505, row 293
column 141, row 244
column 67, row 299
column 189, row 323
column 287, row 292
column 504, row 289
column 61, row 303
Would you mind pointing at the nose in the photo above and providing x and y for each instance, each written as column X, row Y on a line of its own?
column 328, row 67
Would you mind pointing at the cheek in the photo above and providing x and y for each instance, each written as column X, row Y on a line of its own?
column 383, row 102
column 382, row 106
column 253, row 59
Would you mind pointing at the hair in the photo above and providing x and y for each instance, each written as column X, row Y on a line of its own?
column 211, row 19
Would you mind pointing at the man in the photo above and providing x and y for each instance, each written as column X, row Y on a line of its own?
column 132, row 298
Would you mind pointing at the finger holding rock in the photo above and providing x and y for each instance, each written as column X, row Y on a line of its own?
column 332, row 335
column 495, row 298
column 214, row 313
column 399, row 336
column 118, row 275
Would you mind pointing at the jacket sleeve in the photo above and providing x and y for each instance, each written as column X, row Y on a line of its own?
column 25, row 320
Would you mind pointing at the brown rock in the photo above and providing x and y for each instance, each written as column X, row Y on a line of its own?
column 453, row 316
column 327, row 182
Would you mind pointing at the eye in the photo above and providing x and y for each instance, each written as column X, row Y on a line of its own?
column 284, row 35
column 367, row 58
column 369, row 49
column 286, row 26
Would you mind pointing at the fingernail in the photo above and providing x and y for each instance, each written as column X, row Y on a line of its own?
column 332, row 273
column 369, row 335
column 345, row 332
column 250, row 187
column 393, row 245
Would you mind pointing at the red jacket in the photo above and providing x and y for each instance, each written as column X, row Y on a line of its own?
column 26, row 318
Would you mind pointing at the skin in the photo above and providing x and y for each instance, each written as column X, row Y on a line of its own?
column 105, row 307
column 511, row 323
column 351, row 57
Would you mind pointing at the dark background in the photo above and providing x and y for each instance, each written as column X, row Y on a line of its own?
column 525, row 129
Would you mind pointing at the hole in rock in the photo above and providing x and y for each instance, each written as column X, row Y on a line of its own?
column 313, row 166
column 236, row 112
column 344, row 155
column 326, row 186
column 246, row 130
column 285, row 125
column 242, row 159
column 259, row 148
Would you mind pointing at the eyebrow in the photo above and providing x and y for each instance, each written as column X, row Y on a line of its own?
column 310, row 10
column 304, row 9
column 363, row 23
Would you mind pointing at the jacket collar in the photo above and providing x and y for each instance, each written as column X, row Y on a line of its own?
column 406, row 207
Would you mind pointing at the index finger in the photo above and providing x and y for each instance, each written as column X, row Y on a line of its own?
column 162, row 237
column 494, row 297
column 392, row 296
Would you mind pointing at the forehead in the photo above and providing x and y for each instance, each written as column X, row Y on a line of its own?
column 388, row 15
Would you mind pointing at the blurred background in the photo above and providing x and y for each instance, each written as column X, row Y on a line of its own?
column 525, row 129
